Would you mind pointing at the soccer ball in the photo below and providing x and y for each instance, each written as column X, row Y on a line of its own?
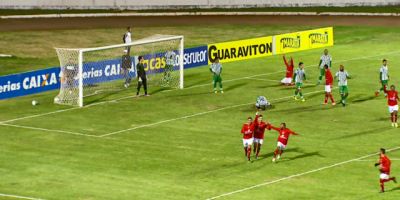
column 56, row 100
column 34, row 103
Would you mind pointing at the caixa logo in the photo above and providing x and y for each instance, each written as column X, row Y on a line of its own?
column 291, row 42
column 39, row 81
column 318, row 38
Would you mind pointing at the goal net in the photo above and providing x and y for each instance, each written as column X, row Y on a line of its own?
column 87, row 74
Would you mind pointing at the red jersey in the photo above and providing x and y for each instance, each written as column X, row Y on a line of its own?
column 283, row 134
column 328, row 77
column 289, row 68
column 392, row 97
column 384, row 162
column 247, row 130
column 259, row 128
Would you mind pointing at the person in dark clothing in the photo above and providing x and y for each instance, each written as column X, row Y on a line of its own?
column 126, row 66
column 141, row 74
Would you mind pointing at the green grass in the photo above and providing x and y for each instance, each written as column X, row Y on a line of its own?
column 318, row 9
column 202, row 156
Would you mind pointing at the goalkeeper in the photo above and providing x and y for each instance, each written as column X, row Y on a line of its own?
column 216, row 69
column 142, row 78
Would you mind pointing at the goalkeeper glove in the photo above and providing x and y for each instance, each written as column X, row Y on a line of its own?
column 376, row 164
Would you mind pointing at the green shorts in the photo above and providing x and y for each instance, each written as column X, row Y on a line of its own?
column 322, row 71
column 343, row 89
column 299, row 85
column 217, row 78
column 385, row 82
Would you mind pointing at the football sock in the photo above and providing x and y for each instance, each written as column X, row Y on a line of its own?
column 301, row 94
column 331, row 97
column 296, row 92
column 245, row 151
column 248, row 152
column 326, row 98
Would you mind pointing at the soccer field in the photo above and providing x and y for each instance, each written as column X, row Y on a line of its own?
column 186, row 144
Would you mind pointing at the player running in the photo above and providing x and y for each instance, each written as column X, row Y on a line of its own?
column 383, row 77
column 283, row 139
column 328, row 86
column 393, row 97
column 342, row 77
column 259, row 129
column 384, row 167
column 247, row 131
column 216, row 69
column 299, row 76
column 325, row 59
column 289, row 71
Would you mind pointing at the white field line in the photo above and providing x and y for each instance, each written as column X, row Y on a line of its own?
column 47, row 130
column 375, row 160
column 198, row 114
column 99, row 103
column 19, row 197
column 298, row 175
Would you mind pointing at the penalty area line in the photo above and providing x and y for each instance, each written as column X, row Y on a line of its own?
column 298, row 175
column 198, row 114
column 19, row 197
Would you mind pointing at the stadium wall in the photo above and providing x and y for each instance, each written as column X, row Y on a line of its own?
column 174, row 4
column 107, row 70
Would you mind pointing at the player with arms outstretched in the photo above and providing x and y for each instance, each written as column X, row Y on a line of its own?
column 383, row 77
column 259, row 129
column 247, row 131
column 325, row 59
column 283, row 139
column 384, row 168
column 342, row 77
column 393, row 97
column 328, row 86
column 299, row 76
column 289, row 71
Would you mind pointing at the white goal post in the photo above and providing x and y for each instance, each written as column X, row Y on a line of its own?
column 88, row 72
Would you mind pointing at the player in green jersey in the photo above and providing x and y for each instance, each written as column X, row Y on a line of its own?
column 298, row 77
column 342, row 77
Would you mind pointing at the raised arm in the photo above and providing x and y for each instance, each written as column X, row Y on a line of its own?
column 284, row 60
column 275, row 128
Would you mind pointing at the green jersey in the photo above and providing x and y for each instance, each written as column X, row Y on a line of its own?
column 325, row 60
column 384, row 73
column 170, row 58
column 299, row 75
column 342, row 77
column 216, row 68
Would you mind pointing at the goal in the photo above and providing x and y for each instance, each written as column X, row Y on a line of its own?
column 90, row 75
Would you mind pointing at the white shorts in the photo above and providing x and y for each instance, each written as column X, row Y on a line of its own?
column 281, row 146
column 393, row 108
column 384, row 176
column 258, row 140
column 328, row 88
column 247, row 142
column 286, row 80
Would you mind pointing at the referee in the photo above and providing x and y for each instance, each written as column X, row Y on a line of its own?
column 142, row 79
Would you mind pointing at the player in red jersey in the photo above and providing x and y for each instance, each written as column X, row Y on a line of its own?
column 283, row 139
column 247, row 131
column 259, row 129
column 328, row 86
column 393, row 97
column 289, row 72
column 384, row 167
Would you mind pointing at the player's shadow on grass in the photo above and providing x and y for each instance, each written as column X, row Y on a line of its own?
column 361, row 98
column 293, row 87
column 393, row 189
column 263, row 86
column 303, row 155
column 235, row 86
column 361, row 133
column 271, row 154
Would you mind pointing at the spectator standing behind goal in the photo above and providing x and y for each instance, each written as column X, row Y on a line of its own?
column 170, row 57
column 126, row 66
column 142, row 79
column 127, row 39
column 216, row 69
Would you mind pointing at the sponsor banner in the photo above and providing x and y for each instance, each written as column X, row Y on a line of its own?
column 240, row 49
column 303, row 40
column 94, row 72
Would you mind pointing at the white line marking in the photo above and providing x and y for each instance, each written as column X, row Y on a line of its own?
column 19, row 197
column 48, row 130
column 297, row 175
column 198, row 114
column 376, row 160
column 195, row 86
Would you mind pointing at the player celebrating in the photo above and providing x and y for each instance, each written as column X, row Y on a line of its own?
column 299, row 76
column 283, row 139
column 216, row 69
column 342, row 77
column 384, row 167
column 393, row 97
column 328, row 86
column 289, row 71
column 383, row 77
column 247, row 131
column 259, row 129
column 325, row 59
